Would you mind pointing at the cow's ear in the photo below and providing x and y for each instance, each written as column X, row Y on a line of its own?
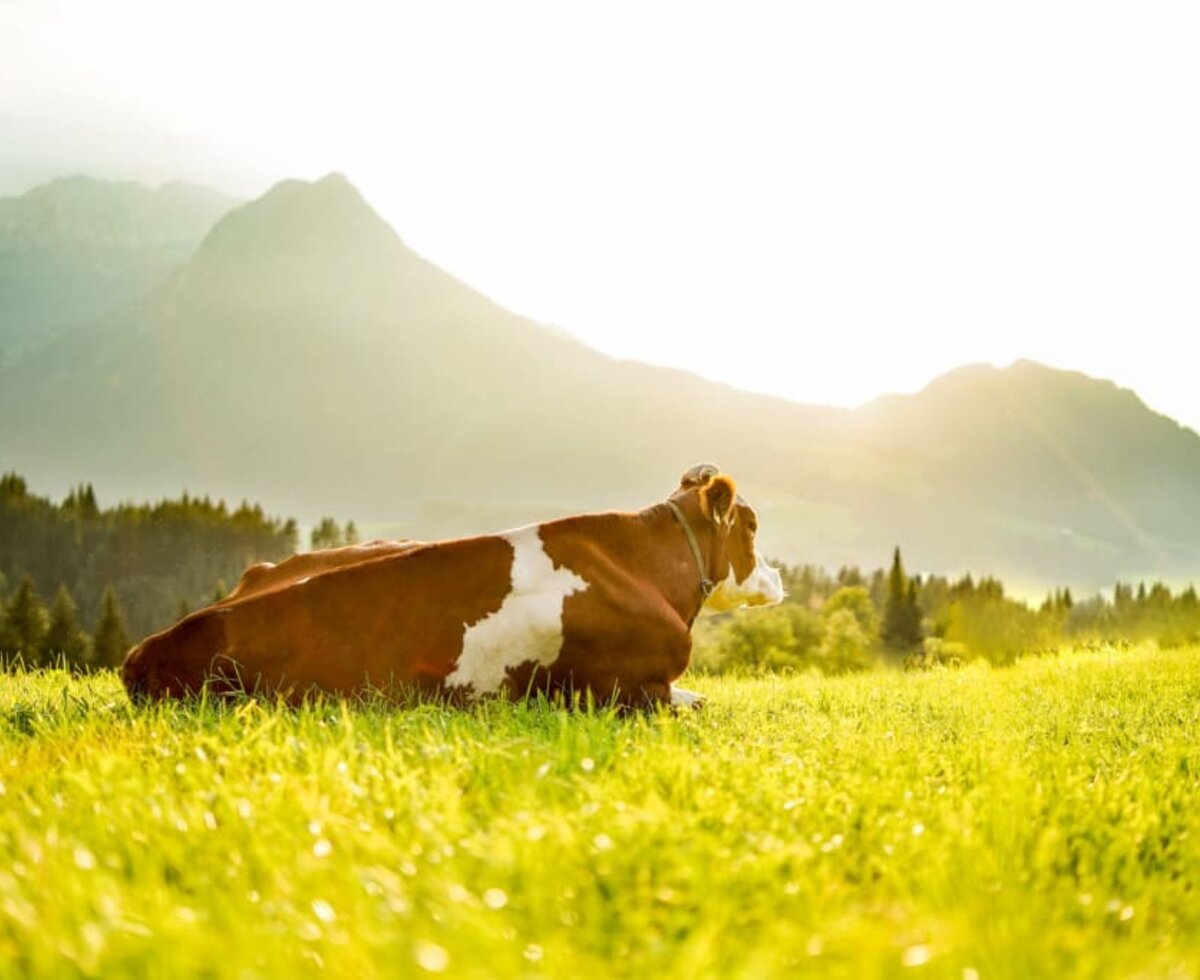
column 718, row 498
column 697, row 476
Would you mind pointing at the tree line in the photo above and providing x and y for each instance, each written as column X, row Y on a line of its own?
column 44, row 637
column 79, row 582
column 848, row 620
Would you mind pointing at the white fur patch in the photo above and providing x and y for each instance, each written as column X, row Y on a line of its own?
column 682, row 698
column 762, row 587
column 527, row 626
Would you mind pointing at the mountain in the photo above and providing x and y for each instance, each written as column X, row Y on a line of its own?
column 76, row 248
column 307, row 358
column 1033, row 468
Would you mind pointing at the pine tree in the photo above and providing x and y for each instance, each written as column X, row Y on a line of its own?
column 110, row 643
column 64, row 638
column 288, row 536
column 24, row 623
column 912, row 614
column 901, row 626
column 326, row 534
column 350, row 535
column 891, row 630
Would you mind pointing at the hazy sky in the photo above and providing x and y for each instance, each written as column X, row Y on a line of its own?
column 822, row 200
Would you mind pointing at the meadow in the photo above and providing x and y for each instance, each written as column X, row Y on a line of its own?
column 1032, row 821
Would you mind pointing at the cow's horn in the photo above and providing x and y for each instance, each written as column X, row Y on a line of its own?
column 698, row 475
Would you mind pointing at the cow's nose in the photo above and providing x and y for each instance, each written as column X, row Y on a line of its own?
column 774, row 590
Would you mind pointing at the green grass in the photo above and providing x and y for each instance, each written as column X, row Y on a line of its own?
column 1042, row 820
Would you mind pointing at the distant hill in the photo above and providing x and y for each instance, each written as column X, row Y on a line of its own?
column 77, row 247
column 1028, row 467
column 307, row 358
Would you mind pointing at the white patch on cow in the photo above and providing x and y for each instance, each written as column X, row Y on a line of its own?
column 762, row 587
column 527, row 626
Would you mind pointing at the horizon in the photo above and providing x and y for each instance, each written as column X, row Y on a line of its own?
column 805, row 204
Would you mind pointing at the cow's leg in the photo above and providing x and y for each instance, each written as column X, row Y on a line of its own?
column 686, row 699
column 646, row 696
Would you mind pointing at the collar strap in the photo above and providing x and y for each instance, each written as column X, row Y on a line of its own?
column 706, row 584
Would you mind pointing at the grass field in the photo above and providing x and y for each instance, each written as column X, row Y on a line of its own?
column 1039, row 821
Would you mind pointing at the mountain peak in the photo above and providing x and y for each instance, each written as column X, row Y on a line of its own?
column 303, row 213
column 335, row 179
column 1021, row 374
column 334, row 189
column 317, row 252
column 300, row 240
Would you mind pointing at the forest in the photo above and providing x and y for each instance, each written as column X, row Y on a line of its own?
column 837, row 623
column 79, row 583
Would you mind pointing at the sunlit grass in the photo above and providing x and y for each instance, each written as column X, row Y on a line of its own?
column 1038, row 821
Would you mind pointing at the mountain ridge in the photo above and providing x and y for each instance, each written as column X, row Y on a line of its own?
column 76, row 248
column 307, row 358
column 47, row 213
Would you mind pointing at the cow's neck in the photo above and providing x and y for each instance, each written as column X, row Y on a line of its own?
column 674, row 568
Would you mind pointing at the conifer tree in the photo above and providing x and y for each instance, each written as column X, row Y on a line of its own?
column 327, row 534
column 912, row 614
column 901, row 626
column 289, row 536
column 24, row 623
column 892, row 627
column 64, row 638
column 110, row 643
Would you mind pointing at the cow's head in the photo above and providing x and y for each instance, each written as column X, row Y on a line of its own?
column 728, row 527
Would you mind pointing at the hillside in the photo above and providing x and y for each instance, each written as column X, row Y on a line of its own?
column 77, row 247
column 1038, row 468
column 307, row 358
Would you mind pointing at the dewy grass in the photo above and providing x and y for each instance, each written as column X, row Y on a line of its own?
column 1042, row 820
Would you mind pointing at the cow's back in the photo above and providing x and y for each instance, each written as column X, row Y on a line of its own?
column 267, row 576
column 387, row 621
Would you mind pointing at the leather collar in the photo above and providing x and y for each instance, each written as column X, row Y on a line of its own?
column 706, row 584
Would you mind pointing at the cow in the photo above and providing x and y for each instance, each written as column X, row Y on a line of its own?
column 598, row 603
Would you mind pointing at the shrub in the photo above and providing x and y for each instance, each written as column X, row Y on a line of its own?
column 845, row 644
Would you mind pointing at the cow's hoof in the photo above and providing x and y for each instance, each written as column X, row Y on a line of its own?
column 686, row 699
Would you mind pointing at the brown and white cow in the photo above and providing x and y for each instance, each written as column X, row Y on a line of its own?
column 599, row 602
